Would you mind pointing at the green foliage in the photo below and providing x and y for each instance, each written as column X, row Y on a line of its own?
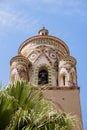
column 8, row 105
column 22, row 107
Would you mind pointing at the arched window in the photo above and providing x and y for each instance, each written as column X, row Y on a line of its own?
column 73, row 78
column 64, row 80
column 43, row 77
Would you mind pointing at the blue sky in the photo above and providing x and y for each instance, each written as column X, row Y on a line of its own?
column 66, row 19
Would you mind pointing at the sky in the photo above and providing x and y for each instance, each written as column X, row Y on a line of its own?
column 65, row 19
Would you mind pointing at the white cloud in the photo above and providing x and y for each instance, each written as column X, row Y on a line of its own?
column 71, row 7
column 17, row 20
column 13, row 17
column 64, row 7
column 22, row 14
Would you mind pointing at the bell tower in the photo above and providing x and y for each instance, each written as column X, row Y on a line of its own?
column 45, row 60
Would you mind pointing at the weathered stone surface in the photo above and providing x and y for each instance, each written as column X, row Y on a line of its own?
column 45, row 60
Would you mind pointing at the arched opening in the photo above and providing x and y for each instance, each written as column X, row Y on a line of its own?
column 64, row 80
column 43, row 77
column 73, row 78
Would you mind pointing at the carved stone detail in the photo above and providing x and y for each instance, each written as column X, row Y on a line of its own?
column 19, row 68
column 67, row 72
column 48, row 51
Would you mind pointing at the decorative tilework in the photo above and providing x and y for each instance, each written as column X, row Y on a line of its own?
column 49, row 74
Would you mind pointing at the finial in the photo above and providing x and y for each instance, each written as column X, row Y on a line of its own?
column 43, row 27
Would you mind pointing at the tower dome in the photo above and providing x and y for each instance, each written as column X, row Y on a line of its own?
column 46, row 54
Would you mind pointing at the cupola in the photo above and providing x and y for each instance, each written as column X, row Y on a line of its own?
column 43, row 32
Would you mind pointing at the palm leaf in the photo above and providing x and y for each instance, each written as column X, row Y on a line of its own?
column 22, row 107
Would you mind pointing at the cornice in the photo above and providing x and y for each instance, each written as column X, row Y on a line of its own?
column 69, row 59
column 58, row 88
column 26, row 60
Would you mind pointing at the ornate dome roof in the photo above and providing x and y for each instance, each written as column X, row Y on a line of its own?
column 44, row 38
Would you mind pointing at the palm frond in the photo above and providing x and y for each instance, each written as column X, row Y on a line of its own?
column 22, row 107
